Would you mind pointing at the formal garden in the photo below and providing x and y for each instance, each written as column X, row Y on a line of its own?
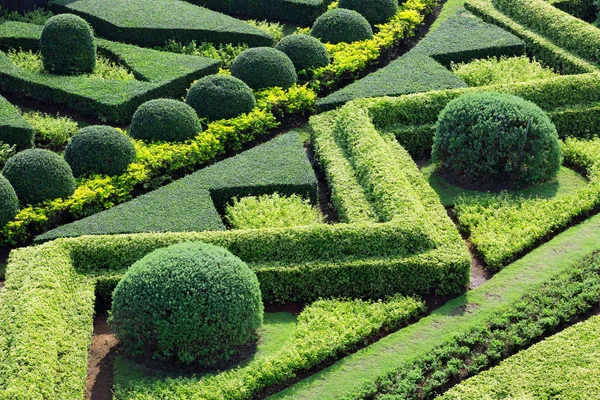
column 300, row 199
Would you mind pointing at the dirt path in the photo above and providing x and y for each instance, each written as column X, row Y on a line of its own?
column 100, row 366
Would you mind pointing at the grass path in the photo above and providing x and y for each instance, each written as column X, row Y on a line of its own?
column 362, row 368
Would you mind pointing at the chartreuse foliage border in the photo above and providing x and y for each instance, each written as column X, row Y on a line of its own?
column 158, row 74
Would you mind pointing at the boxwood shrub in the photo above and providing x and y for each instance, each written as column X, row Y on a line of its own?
column 306, row 52
column 375, row 11
column 264, row 67
column 341, row 25
column 164, row 120
column 9, row 203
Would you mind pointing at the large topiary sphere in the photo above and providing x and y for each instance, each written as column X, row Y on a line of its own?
column 165, row 120
column 193, row 303
column 220, row 96
column 264, row 67
column 341, row 25
column 68, row 46
column 305, row 51
column 99, row 149
column 497, row 138
column 375, row 11
column 9, row 203
column 38, row 175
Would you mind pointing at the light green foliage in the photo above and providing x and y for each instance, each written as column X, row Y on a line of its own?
column 271, row 211
column 38, row 16
column 6, row 151
column 224, row 52
column 274, row 29
column 51, row 130
column 105, row 69
column 497, row 71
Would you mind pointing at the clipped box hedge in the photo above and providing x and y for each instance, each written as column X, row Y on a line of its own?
column 155, row 22
column 14, row 130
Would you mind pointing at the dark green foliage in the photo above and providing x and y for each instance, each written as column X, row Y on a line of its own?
column 264, row 67
column 220, row 96
column 164, row 120
column 586, row 10
column 14, row 130
column 497, row 138
column 306, row 52
column 375, row 11
column 154, row 22
column 341, row 25
column 9, row 203
column 159, row 74
column 99, row 149
column 39, row 175
column 192, row 303
column 68, row 46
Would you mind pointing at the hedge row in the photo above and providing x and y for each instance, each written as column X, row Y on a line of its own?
column 155, row 22
column 586, row 10
column 14, row 130
column 193, row 203
column 158, row 74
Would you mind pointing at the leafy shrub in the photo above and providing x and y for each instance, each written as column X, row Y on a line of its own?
column 190, row 302
column 497, row 71
column 497, row 138
column 50, row 130
column 375, row 11
column 9, row 203
column 6, row 151
column 38, row 16
column 271, row 211
column 274, row 29
column 99, row 149
column 227, row 52
column 341, row 25
column 164, row 120
column 68, row 46
column 263, row 67
column 220, row 96
column 39, row 175
column 306, row 52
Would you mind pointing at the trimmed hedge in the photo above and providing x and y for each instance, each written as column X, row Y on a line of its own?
column 220, row 96
column 154, row 22
column 68, row 46
column 38, row 175
column 99, row 149
column 9, row 202
column 14, row 130
column 264, row 67
column 164, row 120
column 375, row 11
column 341, row 26
column 306, row 52
column 189, row 303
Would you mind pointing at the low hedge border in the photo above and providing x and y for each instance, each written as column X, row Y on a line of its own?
column 14, row 130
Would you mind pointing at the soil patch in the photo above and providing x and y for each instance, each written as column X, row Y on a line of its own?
column 100, row 366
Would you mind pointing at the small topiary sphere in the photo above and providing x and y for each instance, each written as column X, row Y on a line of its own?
column 191, row 302
column 164, row 120
column 375, row 11
column 305, row 51
column 264, row 67
column 497, row 138
column 68, row 46
column 341, row 25
column 9, row 202
column 38, row 175
column 99, row 149
column 220, row 96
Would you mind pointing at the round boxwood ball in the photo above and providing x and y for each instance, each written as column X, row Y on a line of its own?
column 305, row 51
column 38, row 175
column 99, row 149
column 192, row 303
column 9, row 203
column 264, row 67
column 220, row 96
column 341, row 25
column 375, row 11
column 497, row 138
column 164, row 120
column 68, row 46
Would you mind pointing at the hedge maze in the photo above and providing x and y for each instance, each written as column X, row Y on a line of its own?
column 310, row 205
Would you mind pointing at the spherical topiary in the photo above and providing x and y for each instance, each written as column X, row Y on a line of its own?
column 375, row 11
column 305, row 51
column 191, row 302
column 263, row 67
column 38, row 175
column 497, row 138
column 99, row 149
column 164, row 120
column 220, row 96
column 68, row 46
column 9, row 203
column 341, row 25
